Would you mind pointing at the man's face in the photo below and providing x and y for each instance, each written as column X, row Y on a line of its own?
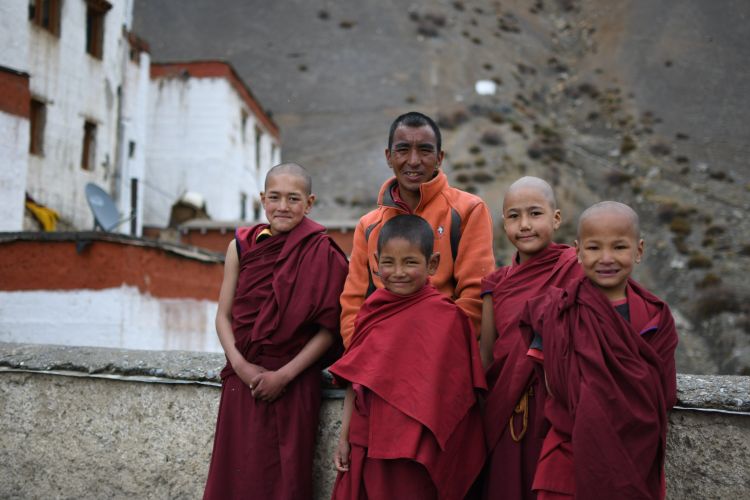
column 286, row 202
column 413, row 157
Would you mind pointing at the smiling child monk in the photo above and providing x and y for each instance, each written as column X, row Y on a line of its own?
column 411, row 426
column 607, row 347
column 278, row 314
column 513, row 411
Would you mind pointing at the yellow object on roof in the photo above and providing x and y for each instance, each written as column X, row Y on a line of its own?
column 46, row 216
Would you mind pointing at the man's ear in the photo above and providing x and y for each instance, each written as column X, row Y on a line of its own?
column 440, row 157
column 433, row 263
column 388, row 157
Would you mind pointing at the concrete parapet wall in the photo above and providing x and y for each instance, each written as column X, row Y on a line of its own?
column 97, row 423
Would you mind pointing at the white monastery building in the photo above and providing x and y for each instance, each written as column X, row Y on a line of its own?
column 81, row 102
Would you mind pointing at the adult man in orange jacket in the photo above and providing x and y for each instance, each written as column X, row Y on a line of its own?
column 461, row 221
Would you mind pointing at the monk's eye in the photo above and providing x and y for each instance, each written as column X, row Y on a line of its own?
column 592, row 247
column 536, row 213
column 511, row 216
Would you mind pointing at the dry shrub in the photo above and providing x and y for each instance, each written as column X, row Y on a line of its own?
column 680, row 226
column 617, row 178
column 491, row 138
column 715, row 301
column 482, row 177
column 708, row 281
column 627, row 145
column 699, row 261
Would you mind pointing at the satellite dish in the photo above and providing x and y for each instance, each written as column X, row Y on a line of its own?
column 106, row 216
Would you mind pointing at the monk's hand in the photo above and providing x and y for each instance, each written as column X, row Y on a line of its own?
column 247, row 372
column 341, row 456
column 269, row 385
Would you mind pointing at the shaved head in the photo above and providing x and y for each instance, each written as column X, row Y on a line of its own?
column 535, row 183
column 291, row 169
column 611, row 207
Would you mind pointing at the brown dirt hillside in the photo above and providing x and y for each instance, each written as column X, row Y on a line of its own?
column 644, row 102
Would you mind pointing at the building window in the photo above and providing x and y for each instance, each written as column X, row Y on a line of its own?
column 37, row 120
column 88, row 158
column 95, row 12
column 273, row 154
column 256, row 210
column 258, row 133
column 243, row 206
column 243, row 125
column 46, row 13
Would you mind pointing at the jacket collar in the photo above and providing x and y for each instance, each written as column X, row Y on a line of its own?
column 427, row 191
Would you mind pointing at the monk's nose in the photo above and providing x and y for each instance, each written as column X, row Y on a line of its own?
column 606, row 256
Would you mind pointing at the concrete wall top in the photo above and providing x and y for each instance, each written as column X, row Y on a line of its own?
column 694, row 392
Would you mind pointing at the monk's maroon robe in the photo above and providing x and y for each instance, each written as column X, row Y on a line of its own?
column 288, row 288
column 611, row 384
column 416, row 430
column 511, row 377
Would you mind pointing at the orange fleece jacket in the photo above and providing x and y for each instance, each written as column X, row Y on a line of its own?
column 459, row 280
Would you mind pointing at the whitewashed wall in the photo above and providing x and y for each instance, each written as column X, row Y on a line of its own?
column 14, row 156
column 133, row 122
column 14, row 130
column 116, row 317
column 14, row 34
column 77, row 87
column 196, row 143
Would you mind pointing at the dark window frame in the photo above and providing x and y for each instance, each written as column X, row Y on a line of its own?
column 96, row 11
column 37, row 124
column 258, row 136
column 88, row 154
column 46, row 14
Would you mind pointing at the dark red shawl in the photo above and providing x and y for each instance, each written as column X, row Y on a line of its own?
column 282, row 298
column 511, row 371
column 288, row 287
column 418, row 354
column 610, row 387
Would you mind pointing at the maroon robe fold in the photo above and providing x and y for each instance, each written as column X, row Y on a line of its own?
column 611, row 384
column 416, row 360
column 511, row 377
column 288, row 288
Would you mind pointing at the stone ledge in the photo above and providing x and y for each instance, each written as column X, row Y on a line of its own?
column 699, row 392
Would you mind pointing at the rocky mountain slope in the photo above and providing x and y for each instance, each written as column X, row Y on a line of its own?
column 639, row 101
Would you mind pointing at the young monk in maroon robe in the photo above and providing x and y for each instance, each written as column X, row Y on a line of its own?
column 411, row 426
column 513, row 413
column 278, row 314
column 607, row 346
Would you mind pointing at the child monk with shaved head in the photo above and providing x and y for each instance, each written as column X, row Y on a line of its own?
column 411, row 427
column 513, row 410
column 278, row 314
column 607, row 347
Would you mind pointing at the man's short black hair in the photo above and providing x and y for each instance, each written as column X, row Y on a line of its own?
column 412, row 228
column 415, row 119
